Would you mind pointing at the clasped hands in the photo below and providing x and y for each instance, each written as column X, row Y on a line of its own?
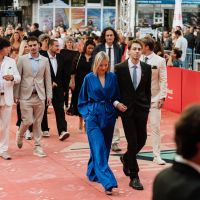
column 8, row 77
column 121, row 107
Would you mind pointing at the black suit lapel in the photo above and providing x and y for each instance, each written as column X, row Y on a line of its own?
column 128, row 76
column 143, row 70
column 51, row 67
column 58, row 65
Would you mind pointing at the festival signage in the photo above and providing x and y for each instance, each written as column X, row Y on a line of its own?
column 109, row 18
column 78, row 18
column 95, row 16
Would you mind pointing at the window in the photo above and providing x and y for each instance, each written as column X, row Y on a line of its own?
column 46, row 2
column 62, row 2
column 109, row 2
column 94, row 3
column 78, row 3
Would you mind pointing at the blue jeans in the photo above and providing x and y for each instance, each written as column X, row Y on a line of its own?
column 188, row 59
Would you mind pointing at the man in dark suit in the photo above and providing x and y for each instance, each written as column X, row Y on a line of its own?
column 86, row 32
column 182, row 180
column 134, row 78
column 36, row 32
column 109, row 43
column 21, row 32
column 59, row 86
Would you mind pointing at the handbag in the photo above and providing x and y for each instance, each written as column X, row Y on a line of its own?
column 76, row 68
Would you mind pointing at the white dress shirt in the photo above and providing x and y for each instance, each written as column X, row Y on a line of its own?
column 149, row 58
column 180, row 159
column 139, row 74
column 182, row 45
column 98, row 33
column 112, row 63
column 53, row 62
column 2, row 74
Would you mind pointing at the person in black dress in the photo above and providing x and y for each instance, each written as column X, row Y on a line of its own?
column 81, row 66
column 44, row 40
column 69, row 52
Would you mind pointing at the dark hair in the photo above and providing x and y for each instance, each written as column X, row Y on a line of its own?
column 51, row 42
column 138, row 41
column 96, row 38
column 4, row 42
column 158, row 47
column 20, row 29
column 36, row 25
column 91, row 22
column 178, row 53
column 93, row 34
column 130, row 38
column 87, row 43
column 102, row 39
column 32, row 38
column 58, row 32
column 178, row 27
column 187, row 134
column 178, row 32
column 89, row 38
column 148, row 41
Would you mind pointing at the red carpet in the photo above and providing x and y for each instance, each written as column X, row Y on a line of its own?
column 62, row 174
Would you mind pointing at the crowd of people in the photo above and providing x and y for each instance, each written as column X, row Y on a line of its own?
column 108, row 75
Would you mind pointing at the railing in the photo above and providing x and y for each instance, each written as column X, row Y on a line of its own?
column 187, row 64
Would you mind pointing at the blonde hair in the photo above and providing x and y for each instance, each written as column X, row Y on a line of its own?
column 21, row 48
column 12, row 37
column 66, row 39
column 98, row 59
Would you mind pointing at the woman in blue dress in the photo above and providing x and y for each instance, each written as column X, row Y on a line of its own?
column 99, row 90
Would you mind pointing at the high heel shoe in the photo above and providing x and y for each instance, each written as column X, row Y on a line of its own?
column 80, row 127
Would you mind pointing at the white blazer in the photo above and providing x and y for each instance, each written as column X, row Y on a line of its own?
column 158, row 79
column 10, row 69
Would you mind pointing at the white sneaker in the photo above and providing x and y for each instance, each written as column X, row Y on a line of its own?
column 27, row 135
column 45, row 134
column 159, row 160
column 64, row 135
column 39, row 152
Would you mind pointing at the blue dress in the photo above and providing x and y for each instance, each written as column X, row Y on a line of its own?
column 95, row 106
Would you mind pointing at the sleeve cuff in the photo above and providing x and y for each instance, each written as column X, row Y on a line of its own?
column 115, row 103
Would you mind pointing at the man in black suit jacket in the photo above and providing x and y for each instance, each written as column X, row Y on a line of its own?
column 36, row 32
column 59, row 86
column 134, row 78
column 182, row 180
column 109, row 43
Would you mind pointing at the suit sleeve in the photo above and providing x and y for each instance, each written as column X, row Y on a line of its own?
column 65, row 78
column 148, row 87
column 17, row 77
column 163, row 80
column 47, row 77
column 116, row 71
column 19, row 68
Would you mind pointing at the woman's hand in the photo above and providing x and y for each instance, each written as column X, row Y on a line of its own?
column 121, row 107
column 72, row 86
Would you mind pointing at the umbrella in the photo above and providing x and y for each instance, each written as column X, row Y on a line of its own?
column 178, row 20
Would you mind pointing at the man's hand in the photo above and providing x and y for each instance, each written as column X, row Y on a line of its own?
column 64, row 93
column 16, row 100
column 161, row 103
column 48, row 101
column 121, row 107
column 8, row 77
column 72, row 86
column 54, row 85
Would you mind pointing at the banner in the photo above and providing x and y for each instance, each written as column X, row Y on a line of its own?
column 146, row 31
column 78, row 19
column 178, row 19
column 173, row 100
column 62, row 14
column 46, row 18
column 95, row 16
column 108, row 18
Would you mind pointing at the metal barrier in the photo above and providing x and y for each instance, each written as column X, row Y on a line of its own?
column 188, row 60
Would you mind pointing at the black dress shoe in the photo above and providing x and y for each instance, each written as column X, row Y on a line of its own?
column 135, row 184
column 125, row 167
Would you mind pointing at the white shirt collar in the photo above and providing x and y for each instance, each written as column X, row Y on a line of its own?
column 50, row 56
column 150, row 56
column 180, row 159
column 107, row 47
column 131, row 64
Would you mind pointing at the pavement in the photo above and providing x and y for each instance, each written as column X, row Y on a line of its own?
column 62, row 174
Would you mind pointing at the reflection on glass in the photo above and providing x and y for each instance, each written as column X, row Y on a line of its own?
column 109, row 2
column 62, row 14
column 78, row 3
column 62, row 2
column 145, row 17
column 158, row 13
column 94, row 3
column 46, row 2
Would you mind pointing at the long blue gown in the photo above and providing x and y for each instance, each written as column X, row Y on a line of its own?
column 95, row 106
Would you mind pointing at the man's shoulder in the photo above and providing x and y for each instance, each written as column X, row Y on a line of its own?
column 158, row 58
column 122, row 64
column 147, row 66
column 44, row 58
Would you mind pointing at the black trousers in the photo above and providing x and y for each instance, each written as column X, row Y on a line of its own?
column 58, row 106
column 135, row 129
column 44, row 124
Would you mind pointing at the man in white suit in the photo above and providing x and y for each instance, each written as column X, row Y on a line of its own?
column 8, row 76
column 158, row 92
